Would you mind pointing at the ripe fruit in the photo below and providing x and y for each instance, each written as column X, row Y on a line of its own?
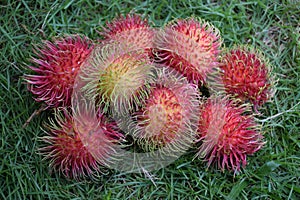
column 190, row 46
column 245, row 74
column 167, row 113
column 57, row 63
column 77, row 153
column 131, row 30
column 228, row 133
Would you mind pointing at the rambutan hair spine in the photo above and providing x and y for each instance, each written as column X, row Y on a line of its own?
column 227, row 133
column 76, row 151
column 55, row 66
column 191, row 46
column 244, row 73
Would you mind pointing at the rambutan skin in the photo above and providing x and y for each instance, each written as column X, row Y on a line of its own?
column 245, row 74
column 228, row 133
column 66, row 148
column 131, row 30
column 190, row 46
column 57, row 65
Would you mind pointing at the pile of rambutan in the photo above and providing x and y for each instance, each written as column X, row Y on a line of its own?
column 217, row 93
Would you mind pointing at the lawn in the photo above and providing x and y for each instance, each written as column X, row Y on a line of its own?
column 272, row 173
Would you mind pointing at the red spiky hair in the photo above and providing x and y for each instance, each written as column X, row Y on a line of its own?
column 77, row 151
column 228, row 134
column 57, row 65
column 245, row 74
column 190, row 46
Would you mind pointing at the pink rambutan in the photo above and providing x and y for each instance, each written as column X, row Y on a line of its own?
column 162, row 117
column 167, row 113
column 72, row 151
column 245, row 74
column 131, row 30
column 228, row 133
column 57, row 65
column 190, row 46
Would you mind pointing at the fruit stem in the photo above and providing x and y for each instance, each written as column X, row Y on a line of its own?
column 35, row 113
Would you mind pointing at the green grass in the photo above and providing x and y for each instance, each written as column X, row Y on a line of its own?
column 272, row 173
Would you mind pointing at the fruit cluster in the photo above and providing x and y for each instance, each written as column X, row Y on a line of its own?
column 164, row 79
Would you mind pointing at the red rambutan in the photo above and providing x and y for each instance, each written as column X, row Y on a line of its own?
column 167, row 113
column 245, row 74
column 228, row 133
column 57, row 63
column 72, row 151
column 131, row 30
column 190, row 46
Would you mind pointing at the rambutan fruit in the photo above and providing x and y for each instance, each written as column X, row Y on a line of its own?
column 57, row 65
column 131, row 30
column 117, row 77
column 167, row 114
column 71, row 149
column 228, row 133
column 245, row 74
column 190, row 46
